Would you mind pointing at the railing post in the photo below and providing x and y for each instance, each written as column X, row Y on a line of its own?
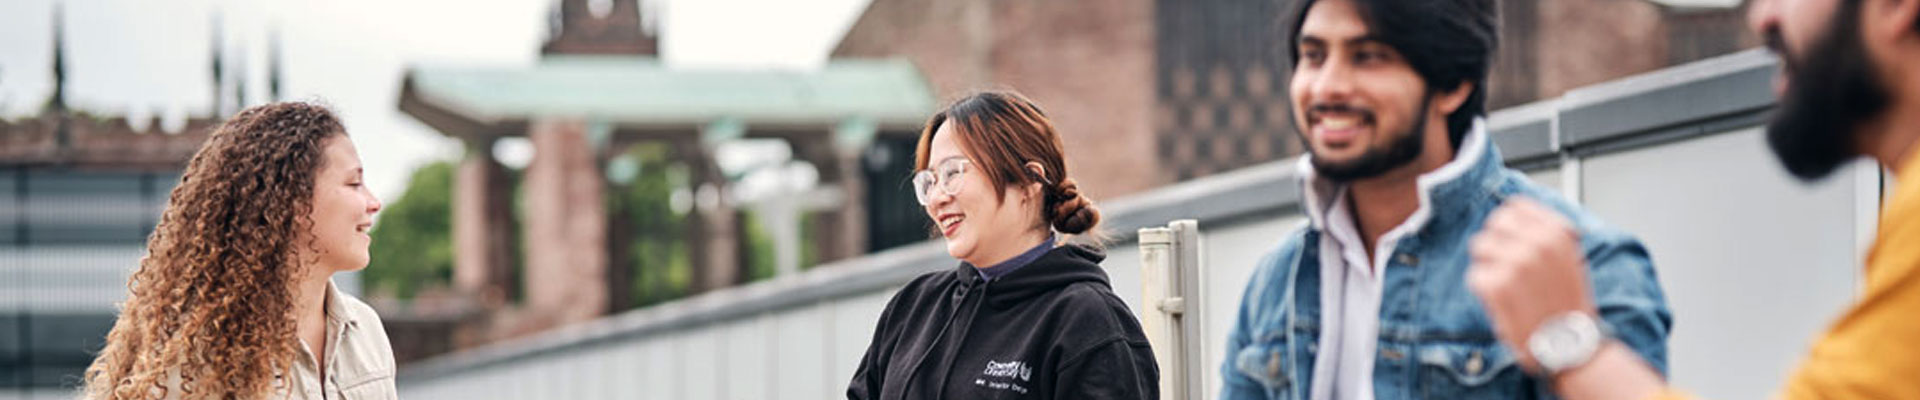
column 1170, row 276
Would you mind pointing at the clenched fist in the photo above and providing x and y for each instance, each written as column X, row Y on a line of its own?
column 1527, row 267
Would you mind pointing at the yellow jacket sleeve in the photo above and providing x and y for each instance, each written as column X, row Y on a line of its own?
column 1873, row 351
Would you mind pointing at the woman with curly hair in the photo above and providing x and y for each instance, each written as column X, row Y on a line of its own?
column 234, row 298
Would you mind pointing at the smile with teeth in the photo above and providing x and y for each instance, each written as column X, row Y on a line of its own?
column 1337, row 128
column 950, row 221
column 1343, row 122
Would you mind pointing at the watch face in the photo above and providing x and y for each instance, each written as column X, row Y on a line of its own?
column 1563, row 339
column 1564, row 342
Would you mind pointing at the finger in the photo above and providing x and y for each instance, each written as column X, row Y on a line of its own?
column 1488, row 287
column 1486, row 250
column 1501, row 218
column 1477, row 281
column 1501, row 225
column 1524, row 203
column 1481, row 283
column 1530, row 212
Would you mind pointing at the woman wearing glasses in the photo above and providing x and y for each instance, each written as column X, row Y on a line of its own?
column 1023, row 316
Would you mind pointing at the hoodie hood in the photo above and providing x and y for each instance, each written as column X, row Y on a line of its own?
column 1057, row 269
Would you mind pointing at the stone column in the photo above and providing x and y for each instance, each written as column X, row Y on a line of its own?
column 838, row 232
column 566, row 225
column 713, row 231
column 482, row 228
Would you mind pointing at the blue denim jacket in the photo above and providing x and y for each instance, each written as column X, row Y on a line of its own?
column 1435, row 341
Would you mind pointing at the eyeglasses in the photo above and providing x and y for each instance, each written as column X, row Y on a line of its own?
column 945, row 177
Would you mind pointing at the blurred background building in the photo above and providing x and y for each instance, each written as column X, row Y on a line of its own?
column 614, row 134
column 598, row 177
column 79, row 193
column 1167, row 90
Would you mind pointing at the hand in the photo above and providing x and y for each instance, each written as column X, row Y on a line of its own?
column 1527, row 267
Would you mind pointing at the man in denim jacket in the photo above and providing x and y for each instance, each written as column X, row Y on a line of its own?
column 1370, row 299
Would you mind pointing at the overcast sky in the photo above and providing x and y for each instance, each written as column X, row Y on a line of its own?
column 148, row 58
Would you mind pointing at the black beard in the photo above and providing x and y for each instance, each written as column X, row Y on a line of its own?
column 1833, row 91
column 1401, row 151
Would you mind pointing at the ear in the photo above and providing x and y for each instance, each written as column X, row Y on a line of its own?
column 1039, row 175
column 1447, row 102
column 1890, row 20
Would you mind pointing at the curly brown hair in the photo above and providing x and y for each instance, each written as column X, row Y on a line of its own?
column 212, row 299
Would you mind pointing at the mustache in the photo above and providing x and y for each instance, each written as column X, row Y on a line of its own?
column 1778, row 44
column 1314, row 111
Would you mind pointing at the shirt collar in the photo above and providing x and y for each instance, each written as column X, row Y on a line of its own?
column 1006, row 267
column 337, row 312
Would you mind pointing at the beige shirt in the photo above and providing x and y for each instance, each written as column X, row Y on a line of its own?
column 359, row 358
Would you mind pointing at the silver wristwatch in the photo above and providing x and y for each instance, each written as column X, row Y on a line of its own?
column 1566, row 341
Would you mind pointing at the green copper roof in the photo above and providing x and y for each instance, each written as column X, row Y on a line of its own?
column 642, row 90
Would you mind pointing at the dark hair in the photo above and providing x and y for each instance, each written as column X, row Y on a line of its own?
column 1001, row 132
column 1448, row 42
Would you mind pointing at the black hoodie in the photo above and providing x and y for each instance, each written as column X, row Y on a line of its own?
column 1050, row 330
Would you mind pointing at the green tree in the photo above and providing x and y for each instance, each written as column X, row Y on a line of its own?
column 413, row 242
column 647, row 235
column 761, row 259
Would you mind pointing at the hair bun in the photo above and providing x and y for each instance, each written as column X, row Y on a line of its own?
column 1070, row 212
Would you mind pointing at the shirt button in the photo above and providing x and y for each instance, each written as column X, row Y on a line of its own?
column 1474, row 363
column 1408, row 259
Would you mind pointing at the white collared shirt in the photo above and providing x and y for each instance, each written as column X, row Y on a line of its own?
column 1349, row 308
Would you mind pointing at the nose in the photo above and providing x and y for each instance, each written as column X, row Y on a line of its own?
column 1763, row 16
column 1333, row 81
column 937, row 197
column 373, row 202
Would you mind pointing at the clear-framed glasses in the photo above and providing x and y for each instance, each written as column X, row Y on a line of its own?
column 944, row 177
